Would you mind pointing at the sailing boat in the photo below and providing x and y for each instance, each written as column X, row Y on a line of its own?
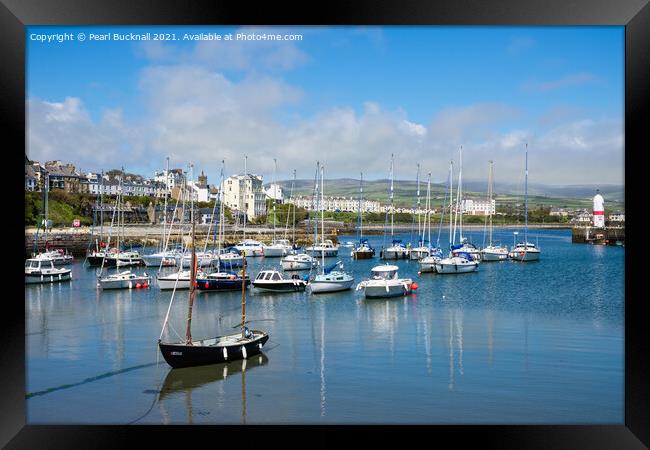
column 525, row 251
column 428, row 262
column 278, row 247
column 214, row 350
column 424, row 247
column 492, row 252
column 295, row 260
column 464, row 246
column 325, row 245
column 363, row 249
column 457, row 262
column 397, row 250
column 333, row 278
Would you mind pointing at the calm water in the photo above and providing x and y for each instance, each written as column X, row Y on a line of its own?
column 514, row 343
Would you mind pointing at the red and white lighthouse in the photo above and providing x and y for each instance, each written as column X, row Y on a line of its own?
column 599, row 211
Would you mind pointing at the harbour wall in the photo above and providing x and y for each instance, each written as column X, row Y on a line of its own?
column 599, row 236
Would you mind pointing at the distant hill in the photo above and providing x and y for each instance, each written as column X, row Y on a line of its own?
column 405, row 190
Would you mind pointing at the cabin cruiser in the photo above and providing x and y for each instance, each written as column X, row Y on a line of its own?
column 428, row 263
column 333, row 279
column 396, row 251
column 250, row 247
column 300, row 261
column 524, row 252
column 494, row 253
column 384, row 282
column 124, row 280
column 274, row 281
column 327, row 246
column 41, row 270
column 460, row 263
column 278, row 247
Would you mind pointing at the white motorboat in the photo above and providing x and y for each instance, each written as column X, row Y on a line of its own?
column 300, row 261
column 250, row 247
column 326, row 246
column 461, row 263
column 384, row 282
column 166, row 259
column 58, row 257
column 41, row 270
column 396, row 251
column 183, row 276
column 428, row 263
column 274, row 281
column 494, row 253
column 124, row 280
column 277, row 248
column 524, row 252
column 331, row 280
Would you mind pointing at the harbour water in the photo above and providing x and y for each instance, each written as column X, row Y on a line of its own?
column 514, row 343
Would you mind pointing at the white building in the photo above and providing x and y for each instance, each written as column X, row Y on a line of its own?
column 200, row 193
column 274, row 192
column 617, row 217
column 337, row 204
column 245, row 194
column 478, row 207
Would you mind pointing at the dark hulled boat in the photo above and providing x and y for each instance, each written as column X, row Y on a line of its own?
column 198, row 352
column 221, row 281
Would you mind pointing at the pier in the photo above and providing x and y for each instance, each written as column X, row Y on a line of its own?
column 612, row 235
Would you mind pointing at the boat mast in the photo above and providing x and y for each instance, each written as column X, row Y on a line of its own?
column 526, row 202
column 291, row 207
column 316, row 205
column 47, row 194
column 245, row 193
column 428, row 208
column 221, row 209
column 392, row 212
column 101, row 208
column 490, row 188
column 460, row 189
column 359, row 218
column 418, row 207
column 243, row 297
column 275, row 168
column 322, row 217
column 188, row 331
column 165, row 212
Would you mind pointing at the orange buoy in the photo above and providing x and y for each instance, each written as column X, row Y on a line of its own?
column 414, row 286
column 138, row 285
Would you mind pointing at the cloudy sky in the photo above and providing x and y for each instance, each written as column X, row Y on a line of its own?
column 347, row 96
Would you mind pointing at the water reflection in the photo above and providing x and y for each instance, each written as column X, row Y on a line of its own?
column 187, row 380
column 455, row 330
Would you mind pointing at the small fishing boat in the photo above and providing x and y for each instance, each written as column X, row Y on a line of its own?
column 331, row 280
column 385, row 282
column 274, row 281
column 250, row 247
column 124, row 280
column 460, row 263
column 299, row 261
column 41, row 270
column 198, row 352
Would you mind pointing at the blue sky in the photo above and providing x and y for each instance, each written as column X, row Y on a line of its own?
column 348, row 96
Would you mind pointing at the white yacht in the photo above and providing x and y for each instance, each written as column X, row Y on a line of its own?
column 277, row 248
column 494, row 253
column 41, row 270
column 396, row 251
column 250, row 247
column 461, row 263
column 326, row 246
column 299, row 261
column 524, row 252
column 384, row 282
column 428, row 263
column 58, row 257
column 333, row 279
column 165, row 258
column 183, row 276
column 124, row 280
column 203, row 259
column 466, row 247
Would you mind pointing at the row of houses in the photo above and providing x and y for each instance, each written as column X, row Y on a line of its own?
column 584, row 216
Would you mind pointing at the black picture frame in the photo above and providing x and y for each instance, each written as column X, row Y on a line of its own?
column 633, row 14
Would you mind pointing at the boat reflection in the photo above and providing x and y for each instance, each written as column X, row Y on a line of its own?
column 189, row 378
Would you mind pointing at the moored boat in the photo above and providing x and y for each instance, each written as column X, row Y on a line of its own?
column 124, row 280
column 40, row 270
column 384, row 282
column 274, row 281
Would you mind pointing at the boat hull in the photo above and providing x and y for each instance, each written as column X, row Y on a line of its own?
column 123, row 284
column 221, row 285
column 182, row 355
column 286, row 286
column 456, row 268
column 275, row 252
column 168, row 283
column 40, row 278
column 524, row 256
column 394, row 254
column 494, row 256
column 380, row 291
column 417, row 254
column 363, row 254
column 156, row 260
column 318, row 287
column 318, row 253
column 297, row 265
column 427, row 266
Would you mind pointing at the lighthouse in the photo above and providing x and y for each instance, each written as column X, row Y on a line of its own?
column 599, row 210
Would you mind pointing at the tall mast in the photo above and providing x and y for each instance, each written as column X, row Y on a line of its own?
column 275, row 168
column 460, row 190
column 392, row 212
column 451, row 200
column 245, row 194
column 290, row 203
column 526, row 200
column 316, row 204
column 165, row 212
column 188, row 331
column 490, row 188
column 47, row 193
column 243, row 297
column 322, row 216
column 359, row 220
column 101, row 208
column 418, row 206
column 428, row 207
